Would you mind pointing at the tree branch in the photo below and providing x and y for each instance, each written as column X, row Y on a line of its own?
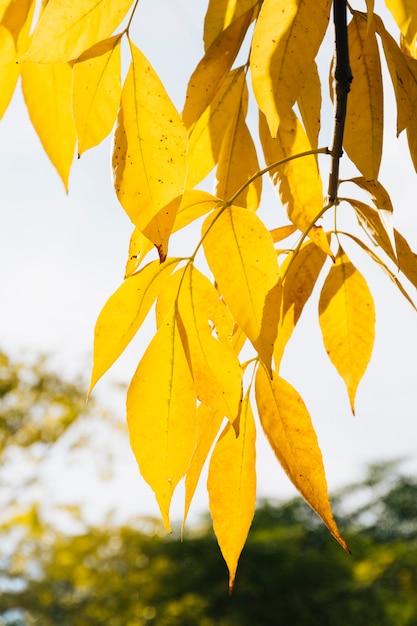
column 342, row 79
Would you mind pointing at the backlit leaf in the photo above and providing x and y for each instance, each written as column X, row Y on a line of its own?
column 298, row 182
column 149, row 157
column 48, row 91
column 285, row 42
column 232, row 487
column 66, row 29
column 207, row 134
column 249, row 280
column 220, row 14
column 282, row 232
column 364, row 119
column 299, row 282
column 405, row 14
column 309, row 103
column 347, row 321
column 161, row 413
column 96, row 93
column 124, row 312
column 215, row 368
column 9, row 70
column 289, row 430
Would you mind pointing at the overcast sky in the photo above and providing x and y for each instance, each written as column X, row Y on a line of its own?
column 62, row 256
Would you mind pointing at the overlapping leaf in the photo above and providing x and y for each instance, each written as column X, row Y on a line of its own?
column 288, row 428
column 347, row 321
column 249, row 280
column 149, row 157
column 67, row 29
column 405, row 14
column 285, row 42
column 220, row 14
column 96, row 93
column 161, row 413
column 298, row 182
column 364, row 119
column 232, row 487
column 309, row 103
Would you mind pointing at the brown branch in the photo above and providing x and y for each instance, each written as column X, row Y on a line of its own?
column 342, row 79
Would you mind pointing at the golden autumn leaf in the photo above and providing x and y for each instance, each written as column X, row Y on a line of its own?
column 96, row 93
column 405, row 14
column 208, row 425
column 364, row 119
column 149, row 156
column 238, row 160
column 285, row 42
column 124, row 312
column 290, row 432
column 207, row 134
column 298, row 284
column 232, row 487
column 48, row 90
column 213, row 68
column 214, row 366
column 298, row 182
column 161, row 413
column 9, row 70
column 220, row 14
column 347, row 321
column 309, row 104
column 249, row 281
column 67, row 29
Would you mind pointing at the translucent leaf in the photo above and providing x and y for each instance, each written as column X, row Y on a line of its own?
column 347, row 321
column 9, row 70
column 213, row 68
column 66, row 29
column 249, row 279
column 161, row 413
column 298, row 182
column 285, row 42
column 405, row 14
column 208, row 425
column 17, row 18
column 232, row 487
column 220, row 14
column 309, row 104
column 149, row 157
column 238, row 161
column 48, row 91
column 288, row 428
column 298, row 286
column 124, row 312
column 282, row 232
column 96, row 93
column 207, row 134
column 364, row 119
column 215, row 368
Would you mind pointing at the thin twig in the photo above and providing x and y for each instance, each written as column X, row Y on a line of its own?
column 342, row 79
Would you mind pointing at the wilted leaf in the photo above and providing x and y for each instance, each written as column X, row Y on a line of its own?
column 347, row 321
column 249, row 280
column 232, row 487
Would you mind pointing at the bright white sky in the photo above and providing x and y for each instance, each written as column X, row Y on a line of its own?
column 61, row 257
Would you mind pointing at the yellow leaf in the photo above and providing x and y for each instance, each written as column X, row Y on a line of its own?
column 17, row 18
column 282, row 232
column 124, row 312
column 139, row 246
column 96, row 93
column 347, row 321
column 213, row 68
column 298, row 182
column 298, row 285
column 9, row 70
column 238, row 160
column 309, row 104
column 405, row 14
column 241, row 255
column 208, row 425
column 290, row 432
column 159, row 228
column 47, row 91
column 220, row 14
column 400, row 76
column 161, row 413
column 149, row 157
column 214, row 366
column 207, row 134
column 232, row 487
column 364, row 118
column 67, row 29
column 285, row 42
